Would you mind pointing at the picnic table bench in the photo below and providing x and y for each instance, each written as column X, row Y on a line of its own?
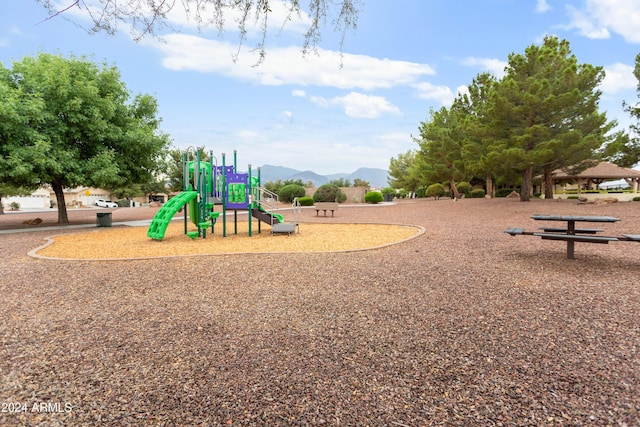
column 571, row 234
column 325, row 206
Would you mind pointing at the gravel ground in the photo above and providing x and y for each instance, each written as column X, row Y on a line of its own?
column 463, row 325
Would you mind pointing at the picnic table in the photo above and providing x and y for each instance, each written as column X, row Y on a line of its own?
column 571, row 234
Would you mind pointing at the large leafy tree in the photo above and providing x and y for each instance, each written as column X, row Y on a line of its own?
column 82, row 128
column 149, row 17
column 545, row 111
column 20, row 144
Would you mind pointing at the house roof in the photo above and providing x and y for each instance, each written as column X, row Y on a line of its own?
column 603, row 170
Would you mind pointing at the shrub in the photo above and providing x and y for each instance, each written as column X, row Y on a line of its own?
column 389, row 190
column 388, row 193
column 504, row 192
column 478, row 193
column 305, row 201
column 373, row 197
column 464, row 188
column 636, row 199
column 435, row 190
column 329, row 193
column 15, row 206
column 290, row 192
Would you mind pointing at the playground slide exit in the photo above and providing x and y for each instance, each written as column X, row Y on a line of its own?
column 163, row 217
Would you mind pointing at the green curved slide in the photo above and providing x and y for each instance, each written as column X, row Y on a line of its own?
column 161, row 220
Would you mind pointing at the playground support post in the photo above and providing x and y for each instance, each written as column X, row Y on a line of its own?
column 212, row 169
column 235, row 212
column 256, row 194
column 224, row 195
column 250, row 201
column 185, row 180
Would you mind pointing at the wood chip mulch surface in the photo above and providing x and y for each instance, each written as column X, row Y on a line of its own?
column 132, row 242
column 463, row 325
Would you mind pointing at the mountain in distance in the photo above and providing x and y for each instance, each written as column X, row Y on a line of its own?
column 374, row 176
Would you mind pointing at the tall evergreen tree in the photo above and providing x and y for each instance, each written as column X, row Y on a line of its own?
column 545, row 113
column 473, row 106
column 624, row 150
column 440, row 156
column 400, row 174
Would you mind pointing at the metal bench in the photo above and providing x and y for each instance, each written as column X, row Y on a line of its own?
column 325, row 206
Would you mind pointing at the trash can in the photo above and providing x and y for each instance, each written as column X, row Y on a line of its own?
column 103, row 219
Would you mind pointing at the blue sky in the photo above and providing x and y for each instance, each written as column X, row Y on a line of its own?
column 405, row 57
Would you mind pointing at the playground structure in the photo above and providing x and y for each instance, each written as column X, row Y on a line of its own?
column 206, row 185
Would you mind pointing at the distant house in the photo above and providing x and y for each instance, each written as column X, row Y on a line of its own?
column 37, row 200
column 82, row 196
column 44, row 198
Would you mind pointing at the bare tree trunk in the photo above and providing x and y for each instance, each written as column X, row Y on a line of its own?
column 525, row 190
column 454, row 189
column 489, row 185
column 548, row 183
column 62, row 207
column 1, row 208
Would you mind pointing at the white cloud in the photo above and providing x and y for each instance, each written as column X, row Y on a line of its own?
column 585, row 24
column 247, row 135
column 366, row 106
column 619, row 16
column 618, row 78
column 320, row 101
column 542, row 6
column 280, row 17
column 14, row 30
column 463, row 90
column 286, row 65
column 428, row 91
column 598, row 18
column 492, row 65
column 298, row 93
column 287, row 114
column 394, row 142
column 359, row 105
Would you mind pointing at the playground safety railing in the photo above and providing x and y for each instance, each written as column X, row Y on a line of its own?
column 296, row 210
column 268, row 200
